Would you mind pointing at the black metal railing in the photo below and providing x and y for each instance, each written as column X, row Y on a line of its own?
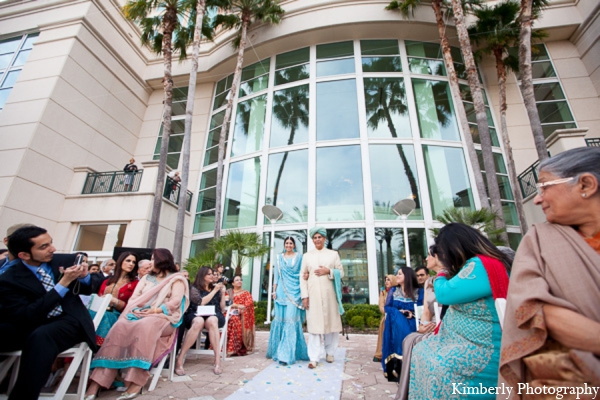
column 172, row 190
column 112, row 182
column 593, row 142
column 528, row 179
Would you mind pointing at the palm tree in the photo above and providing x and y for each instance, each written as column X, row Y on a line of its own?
column 481, row 115
column 529, row 12
column 201, row 27
column 160, row 21
column 290, row 107
column 245, row 245
column 406, row 8
column 243, row 14
column 384, row 97
column 497, row 30
column 482, row 219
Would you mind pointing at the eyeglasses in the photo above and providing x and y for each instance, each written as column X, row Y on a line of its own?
column 540, row 186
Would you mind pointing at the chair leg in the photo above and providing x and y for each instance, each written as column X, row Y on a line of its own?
column 78, row 357
column 14, row 375
column 156, row 374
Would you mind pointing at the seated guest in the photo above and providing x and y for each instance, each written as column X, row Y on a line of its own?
column 427, row 324
column 145, row 331
column 107, row 267
column 206, row 292
column 38, row 300
column 399, row 320
column 9, row 260
column 390, row 281
column 240, row 329
column 93, row 268
column 552, row 321
column 422, row 273
column 120, row 286
column 467, row 346
column 144, row 266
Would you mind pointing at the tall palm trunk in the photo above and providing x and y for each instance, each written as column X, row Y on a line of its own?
column 169, row 23
column 510, row 162
column 460, row 107
column 280, row 172
column 481, row 115
column 527, row 79
column 233, row 96
column 187, row 134
column 407, row 170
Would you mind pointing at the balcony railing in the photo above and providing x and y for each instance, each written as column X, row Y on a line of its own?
column 528, row 179
column 171, row 193
column 112, row 182
column 593, row 142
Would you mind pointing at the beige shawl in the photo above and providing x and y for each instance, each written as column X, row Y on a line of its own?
column 553, row 265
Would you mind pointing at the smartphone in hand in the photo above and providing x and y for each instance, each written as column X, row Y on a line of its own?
column 79, row 259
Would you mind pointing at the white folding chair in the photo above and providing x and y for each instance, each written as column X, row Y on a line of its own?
column 438, row 312
column 222, row 342
column 81, row 354
column 156, row 372
column 418, row 313
column 501, row 310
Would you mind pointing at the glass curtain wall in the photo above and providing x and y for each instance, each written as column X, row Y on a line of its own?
column 374, row 124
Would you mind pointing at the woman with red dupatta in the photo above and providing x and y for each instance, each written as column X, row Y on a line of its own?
column 466, row 350
column 240, row 331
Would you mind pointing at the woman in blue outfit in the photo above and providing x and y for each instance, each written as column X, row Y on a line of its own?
column 399, row 320
column 466, row 350
column 286, row 341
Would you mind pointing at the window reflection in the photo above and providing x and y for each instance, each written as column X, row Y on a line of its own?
column 339, row 184
column 352, row 248
column 435, row 110
column 391, row 253
column 447, row 178
column 393, row 177
column 380, row 56
column 335, row 59
column 287, row 185
column 337, row 110
column 249, row 126
column 387, row 109
column 292, row 66
column 289, row 124
column 242, row 194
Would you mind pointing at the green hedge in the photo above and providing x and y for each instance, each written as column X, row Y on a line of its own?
column 358, row 316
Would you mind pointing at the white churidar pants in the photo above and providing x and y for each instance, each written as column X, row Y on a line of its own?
column 315, row 346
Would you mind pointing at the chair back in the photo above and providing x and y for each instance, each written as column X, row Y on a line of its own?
column 98, row 304
column 418, row 314
column 501, row 310
column 438, row 312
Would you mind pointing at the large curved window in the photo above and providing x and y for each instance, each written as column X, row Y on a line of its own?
column 339, row 193
column 287, row 185
column 337, row 110
column 336, row 134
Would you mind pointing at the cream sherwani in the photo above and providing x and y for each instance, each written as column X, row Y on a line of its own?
column 322, row 316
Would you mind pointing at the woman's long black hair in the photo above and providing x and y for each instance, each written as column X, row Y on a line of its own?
column 410, row 282
column 456, row 243
column 114, row 278
column 199, row 281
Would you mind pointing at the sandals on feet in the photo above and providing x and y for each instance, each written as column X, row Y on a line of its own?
column 313, row 364
column 179, row 371
column 217, row 370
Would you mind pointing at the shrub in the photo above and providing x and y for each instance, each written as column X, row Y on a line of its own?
column 357, row 322
column 373, row 322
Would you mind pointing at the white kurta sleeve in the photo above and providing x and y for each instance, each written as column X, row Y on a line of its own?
column 303, row 282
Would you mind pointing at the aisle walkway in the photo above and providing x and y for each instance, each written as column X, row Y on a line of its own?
column 361, row 377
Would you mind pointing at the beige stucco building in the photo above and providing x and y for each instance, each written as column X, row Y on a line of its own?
column 79, row 96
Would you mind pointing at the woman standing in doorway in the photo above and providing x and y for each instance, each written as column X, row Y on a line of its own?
column 286, row 342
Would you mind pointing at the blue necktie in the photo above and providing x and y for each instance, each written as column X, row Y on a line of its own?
column 49, row 285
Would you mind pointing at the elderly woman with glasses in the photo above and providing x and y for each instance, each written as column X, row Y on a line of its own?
column 551, row 332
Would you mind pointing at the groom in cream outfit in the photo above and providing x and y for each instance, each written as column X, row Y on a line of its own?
column 319, row 299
